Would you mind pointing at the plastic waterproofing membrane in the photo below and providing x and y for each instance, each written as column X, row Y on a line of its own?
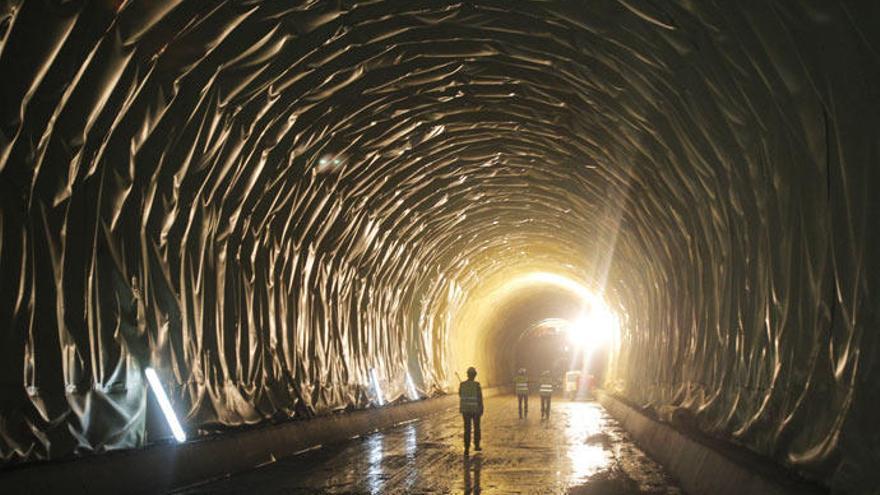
column 266, row 200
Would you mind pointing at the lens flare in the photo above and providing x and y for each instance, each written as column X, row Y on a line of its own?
column 375, row 378
column 594, row 329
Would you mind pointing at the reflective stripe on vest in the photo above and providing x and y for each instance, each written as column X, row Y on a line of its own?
column 470, row 397
column 546, row 388
column 522, row 384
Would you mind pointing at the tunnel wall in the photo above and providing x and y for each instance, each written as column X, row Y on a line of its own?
column 705, row 466
column 756, row 316
column 266, row 200
column 157, row 212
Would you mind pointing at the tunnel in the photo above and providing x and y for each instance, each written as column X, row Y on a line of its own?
column 253, row 213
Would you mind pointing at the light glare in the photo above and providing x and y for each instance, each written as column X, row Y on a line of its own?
column 375, row 378
column 165, row 405
column 586, row 459
column 593, row 329
column 411, row 387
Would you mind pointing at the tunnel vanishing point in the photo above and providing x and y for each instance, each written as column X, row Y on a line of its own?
column 287, row 209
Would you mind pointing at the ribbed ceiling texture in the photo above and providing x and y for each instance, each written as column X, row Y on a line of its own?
column 265, row 201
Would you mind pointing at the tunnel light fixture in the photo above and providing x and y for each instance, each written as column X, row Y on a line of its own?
column 329, row 163
column 411, row 387
column 165, row 405
column 374, row 377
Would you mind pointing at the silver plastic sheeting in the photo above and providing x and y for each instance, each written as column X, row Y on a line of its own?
column 265, row 201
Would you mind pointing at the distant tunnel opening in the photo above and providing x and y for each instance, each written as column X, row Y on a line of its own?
column 574, row 369
column 529, row 320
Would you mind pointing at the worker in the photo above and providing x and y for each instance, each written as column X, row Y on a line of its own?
column 471, row 406
column 546, row 391
column 521, row 386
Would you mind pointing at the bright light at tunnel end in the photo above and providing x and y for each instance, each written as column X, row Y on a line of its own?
column 165, row 405
column 596, row 327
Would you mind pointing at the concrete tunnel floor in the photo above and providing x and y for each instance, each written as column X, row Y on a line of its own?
column 580, row 450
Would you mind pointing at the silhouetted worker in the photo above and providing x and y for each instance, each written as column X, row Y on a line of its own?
column 471, row 406
column 521, row 386
column 546, row 391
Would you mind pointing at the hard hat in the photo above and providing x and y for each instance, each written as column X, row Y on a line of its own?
column 522, row 371
column 546, row 372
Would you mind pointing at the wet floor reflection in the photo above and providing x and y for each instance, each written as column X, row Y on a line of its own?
column 409, row 439
column 375, row 452
column 587, row 460
column 578, row 450
column 585, row 422
column 472, row 468
column 410, row 449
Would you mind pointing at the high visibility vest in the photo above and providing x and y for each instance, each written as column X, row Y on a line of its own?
column 469, row 395
column 546, row 388
column 522, row 384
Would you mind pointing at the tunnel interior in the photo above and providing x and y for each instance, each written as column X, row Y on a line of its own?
column 284, row 207
column 499, row 322
column 537, row 345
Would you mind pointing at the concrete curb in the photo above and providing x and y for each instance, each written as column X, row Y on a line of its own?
column 702, row 469
column 167, row 467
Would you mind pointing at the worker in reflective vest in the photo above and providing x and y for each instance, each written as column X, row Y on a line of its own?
column 521, row 386
column 471, row 406
column 546, row 391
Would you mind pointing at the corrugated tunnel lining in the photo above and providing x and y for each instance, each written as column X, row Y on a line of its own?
column 265, row 200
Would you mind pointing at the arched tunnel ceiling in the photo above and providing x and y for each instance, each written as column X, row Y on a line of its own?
column 265, row 200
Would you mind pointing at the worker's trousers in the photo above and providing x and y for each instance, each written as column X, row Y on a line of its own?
column 471, row 420
column 545, row 406
column 523, row 402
